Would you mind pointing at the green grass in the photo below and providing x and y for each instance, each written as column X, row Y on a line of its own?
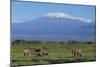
column 58, row 53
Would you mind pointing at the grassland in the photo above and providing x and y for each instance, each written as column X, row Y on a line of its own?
column 58, row 53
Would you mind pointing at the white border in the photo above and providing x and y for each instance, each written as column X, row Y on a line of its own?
column 84, row 2
column 4, row 33
column 84, row 64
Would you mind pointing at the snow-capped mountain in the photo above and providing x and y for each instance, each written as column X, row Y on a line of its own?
column 66, row 16
column 55, row 26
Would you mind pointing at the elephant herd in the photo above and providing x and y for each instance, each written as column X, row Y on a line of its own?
column 40, row 52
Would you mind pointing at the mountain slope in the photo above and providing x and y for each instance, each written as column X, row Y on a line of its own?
column 57, row 26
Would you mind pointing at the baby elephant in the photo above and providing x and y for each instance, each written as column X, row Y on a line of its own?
column 40, row 52
column 26, row 52
column 76, row 52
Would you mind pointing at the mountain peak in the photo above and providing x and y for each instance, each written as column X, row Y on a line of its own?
column 58, row 15
column 66, row 16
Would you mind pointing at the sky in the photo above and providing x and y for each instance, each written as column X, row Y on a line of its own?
column 24, row 11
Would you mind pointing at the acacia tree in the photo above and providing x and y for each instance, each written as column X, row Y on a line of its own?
column 61, row 42
column 89, row 42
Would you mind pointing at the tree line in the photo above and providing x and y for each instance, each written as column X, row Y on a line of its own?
column 50, row 42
